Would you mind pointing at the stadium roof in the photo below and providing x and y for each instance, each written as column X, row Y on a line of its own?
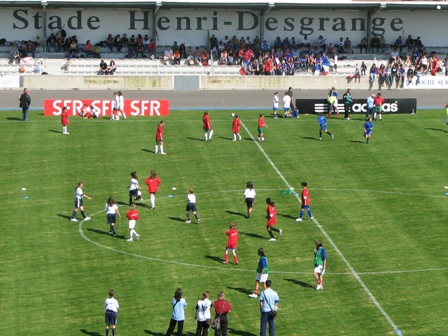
column 232, row 4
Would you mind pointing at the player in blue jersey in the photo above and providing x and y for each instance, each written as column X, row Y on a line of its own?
column 323, row 126
column 368, row 127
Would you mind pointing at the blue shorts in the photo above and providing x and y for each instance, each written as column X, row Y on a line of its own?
column 111, row 218
column 305, row 207
column 133, row 192
column 323, row 128
column 78, row 203
column 249, row 202
column 110, row 317
column 191, row 207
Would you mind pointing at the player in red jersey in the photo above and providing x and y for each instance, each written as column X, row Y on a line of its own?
column 153, row 183
column 236, row 127
column 272, row 218
column 64, row 120
column 261, row 126
column 305, row 200
column 159, row 138
column 133, row 216
column 232, row 242
column 378, row 101
column 207, row 126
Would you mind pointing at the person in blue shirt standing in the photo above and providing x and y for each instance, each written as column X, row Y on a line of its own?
column 370, row 106
column 268, row 306
column 178, row 314
column 368, row 127
column 323, row 126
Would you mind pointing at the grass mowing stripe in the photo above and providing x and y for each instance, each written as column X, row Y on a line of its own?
column 333, row 244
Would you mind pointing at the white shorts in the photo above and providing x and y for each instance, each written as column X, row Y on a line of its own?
column 132, row 223
column 319, row 269
column 261, row 277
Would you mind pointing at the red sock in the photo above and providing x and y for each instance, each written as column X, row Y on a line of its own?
column 235, row 259
column 226, row 258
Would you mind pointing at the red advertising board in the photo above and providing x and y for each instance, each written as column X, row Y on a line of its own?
column 136, row 108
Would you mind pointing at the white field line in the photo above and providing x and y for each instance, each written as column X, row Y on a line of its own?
column 332, row 243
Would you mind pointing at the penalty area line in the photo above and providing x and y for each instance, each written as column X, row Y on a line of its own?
column 327, row 236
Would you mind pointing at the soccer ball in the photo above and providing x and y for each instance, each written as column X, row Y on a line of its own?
column 233, row 115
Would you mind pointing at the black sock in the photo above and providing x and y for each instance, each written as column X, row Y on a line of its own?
column 275, row 229
column 83, row 214
column 107, row 332
column 320, row 134
column 114, row 332
column 74, row 214
column 270, row 233
column 329, row 133
column 187, row 214
column 196, row 215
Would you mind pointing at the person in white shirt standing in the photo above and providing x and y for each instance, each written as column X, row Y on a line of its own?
column 79, row 204
column 111, row 209
column 111, row 305
column 203, row 314
column 120, row 106
column 115, row 103
column 134, row 188
column 249, row 197
column 287, row 105
column 275, row 104
column 191, row 206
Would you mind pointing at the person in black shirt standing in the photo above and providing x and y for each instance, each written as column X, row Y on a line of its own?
column 25, row 102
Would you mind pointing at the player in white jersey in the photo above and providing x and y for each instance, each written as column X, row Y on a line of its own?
column 111, row 306
column 112, row 211
column 79, row 204
column 249, row 197
column 115, row 107
column 191, row 206
column 134, row 188
column 120, row 106
column 275, row 104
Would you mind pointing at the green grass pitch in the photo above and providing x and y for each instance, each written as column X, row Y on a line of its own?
column 382, row 205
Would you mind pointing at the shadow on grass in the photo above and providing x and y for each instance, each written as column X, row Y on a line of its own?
column 147, row 150
column 300, row 283
column 90, row 333
column 154, row 333
column 13, row 118
column 240, row 332
column 437, row 129
column 196, row 139
column 54, row 131
column 65, row 216
column 241, row 290
column 214, row 258
column 177, row 219
column 230, row 212
column 287, row 216
column 357, row 141
column 252, row 235
column 123, row 203
column 249, row 139
column 310, row 138
column 105, row 233
column 226, row 138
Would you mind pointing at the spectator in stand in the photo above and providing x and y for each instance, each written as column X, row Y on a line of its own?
column 152, row 47
column 30, row 48
column 418, row 43
column 14, row 55
column 213, row 42
column 111, row 68
column 305, row 43
column 183, row 53
column 37, row 41
column 60, row 43
column 231, row 56
column 88, row 49
column 175, row 46
column 125, row 40
column 393, row 55
column 139, row 50
column 340, row 45
column 363, row 45
column 103, row 68
column 146, row 42
column 375, row 43
column 118, row 43
column 372, row 74
column 139, row 39
column 383, row 44
column 168, row 56
column 348, row 45
column 52, row 43
column 66, row 45
column 321, row 43
column 223, row 59
column 132, row 42
column 265, row 46
column 73, row 49
column 410, row 42
column 398, row 44
column 110, row 42
column 205, row 57
column 197, row 56
column 176, row 57
column 66, row 65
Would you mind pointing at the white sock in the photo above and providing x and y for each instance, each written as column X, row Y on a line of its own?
column 63, row 129
column 161, row 148
column 157, row 149
column 374, row 115
column 153, row 200
column 124, row 114
column 234, row 136
column 211, row 134
column 239, row 136
column 206, row 136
